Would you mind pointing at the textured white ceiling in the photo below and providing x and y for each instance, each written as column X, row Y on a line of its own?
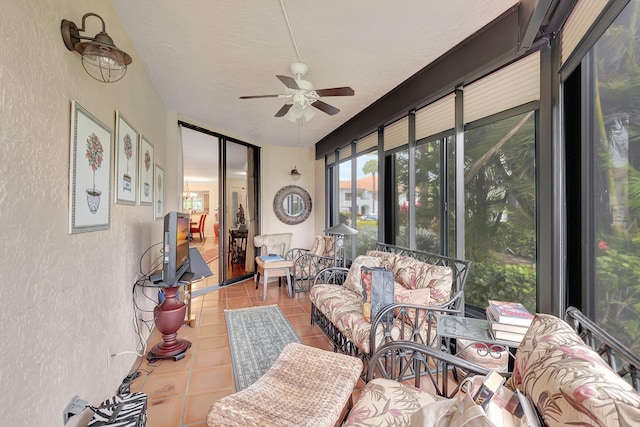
column 202, row 55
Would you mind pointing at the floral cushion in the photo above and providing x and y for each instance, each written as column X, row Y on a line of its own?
column 388, row 258
column 568, row 382
column 411, row 296
column 414, row 274
column 386, row 402
column 343, row 308
column 318, row 246
column 352, row 281
column 329, row 246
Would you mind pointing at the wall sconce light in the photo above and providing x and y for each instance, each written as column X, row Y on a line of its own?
column 101, row 59
column 295, row 175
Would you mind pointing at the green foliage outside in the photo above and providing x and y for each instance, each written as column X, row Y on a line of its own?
column 493, row 279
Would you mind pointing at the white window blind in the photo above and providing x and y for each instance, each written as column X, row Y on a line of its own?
column 369, row 141
column 331, row 159
column 345, row 152
column 578, row 23
column 396, row 134
column 436, row 117
column 509, row 87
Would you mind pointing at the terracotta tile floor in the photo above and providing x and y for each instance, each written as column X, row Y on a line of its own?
column 181, row 392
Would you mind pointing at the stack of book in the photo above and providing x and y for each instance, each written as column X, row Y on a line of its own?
column 508, row 321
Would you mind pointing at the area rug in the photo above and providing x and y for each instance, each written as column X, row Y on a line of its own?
column 257, row 335
column 210, row 255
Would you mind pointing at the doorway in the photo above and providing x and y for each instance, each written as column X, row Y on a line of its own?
column 220, row 177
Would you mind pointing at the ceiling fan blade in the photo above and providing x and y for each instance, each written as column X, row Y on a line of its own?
column 336, row 91
column 259, row 96
column 284, row 110
column 289, row 82
column 323, row 106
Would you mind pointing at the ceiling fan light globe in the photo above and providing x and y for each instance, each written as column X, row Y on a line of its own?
column 308, row 113
column 294, row 113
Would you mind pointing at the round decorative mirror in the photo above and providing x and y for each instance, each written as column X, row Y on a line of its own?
column 292, row 204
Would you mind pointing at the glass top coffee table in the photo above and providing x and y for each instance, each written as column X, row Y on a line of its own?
column 476, row 334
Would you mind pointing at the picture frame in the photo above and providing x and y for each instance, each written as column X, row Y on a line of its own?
column 146, row 170
column 90, row 155
column 158, row 192
column 126, row 161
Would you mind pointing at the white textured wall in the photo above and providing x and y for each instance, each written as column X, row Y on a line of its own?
column 277, row 163
column 66, row 298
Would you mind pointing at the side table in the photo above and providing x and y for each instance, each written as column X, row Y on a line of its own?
column 273, row 269
column 473, row 334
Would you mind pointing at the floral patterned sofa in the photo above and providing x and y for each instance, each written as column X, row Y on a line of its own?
column 573, row 372
column 425, row 284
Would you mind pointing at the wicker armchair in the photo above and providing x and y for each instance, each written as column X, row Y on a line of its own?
column 309, row 262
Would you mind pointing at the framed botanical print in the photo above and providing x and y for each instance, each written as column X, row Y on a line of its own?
column 89, row 172
column 158, row 193
column 126, row 158
column 145, row 175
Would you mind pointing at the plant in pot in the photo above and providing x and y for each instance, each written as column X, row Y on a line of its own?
column 147, row 165
column 94, row 156
column 128, row 151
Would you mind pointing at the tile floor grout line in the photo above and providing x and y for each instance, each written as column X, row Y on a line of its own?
column 193, row 361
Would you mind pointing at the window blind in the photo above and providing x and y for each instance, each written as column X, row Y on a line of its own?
column 369, row 141
column 511, row 86
column 578, row 23
column 436, row 117
column 331, row 159
column 396, row 134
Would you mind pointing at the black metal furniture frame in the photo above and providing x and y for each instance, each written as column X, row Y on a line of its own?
column 406, row 360
column 619, row 357
column 419, row 319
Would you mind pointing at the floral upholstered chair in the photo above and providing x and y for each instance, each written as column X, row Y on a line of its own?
column 309, row 262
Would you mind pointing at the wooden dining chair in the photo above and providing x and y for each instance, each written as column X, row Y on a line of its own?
column 200, row 227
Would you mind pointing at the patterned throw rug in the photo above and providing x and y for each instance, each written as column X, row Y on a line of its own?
column 210, row 255
column 257, row 335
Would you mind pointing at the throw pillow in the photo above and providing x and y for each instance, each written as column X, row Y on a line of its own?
column 318, row 246
column 568, row 382
column 329, row 246
column 352, row 282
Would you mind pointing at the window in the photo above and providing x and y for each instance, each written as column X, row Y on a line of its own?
column 613, row 135
column 428, row 196
column 367, row 184
column 500, row 225
column 400, row 185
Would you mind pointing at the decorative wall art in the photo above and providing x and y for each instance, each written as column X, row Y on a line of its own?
column 89, row 172
column 126, row 161
column 146, row 172
column 158, row 193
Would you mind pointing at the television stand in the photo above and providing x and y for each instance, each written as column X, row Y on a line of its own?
column 169, row 318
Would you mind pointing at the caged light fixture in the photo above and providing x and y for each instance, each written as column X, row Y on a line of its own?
column 295, row 175
column 101, row 59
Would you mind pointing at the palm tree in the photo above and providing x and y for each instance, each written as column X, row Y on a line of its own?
column 371, row 166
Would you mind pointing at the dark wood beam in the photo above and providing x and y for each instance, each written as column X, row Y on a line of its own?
column 491, row 47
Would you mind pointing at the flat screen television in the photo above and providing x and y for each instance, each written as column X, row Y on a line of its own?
column 176, row 247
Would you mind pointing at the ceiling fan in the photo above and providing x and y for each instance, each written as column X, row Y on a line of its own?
column 301, row 95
